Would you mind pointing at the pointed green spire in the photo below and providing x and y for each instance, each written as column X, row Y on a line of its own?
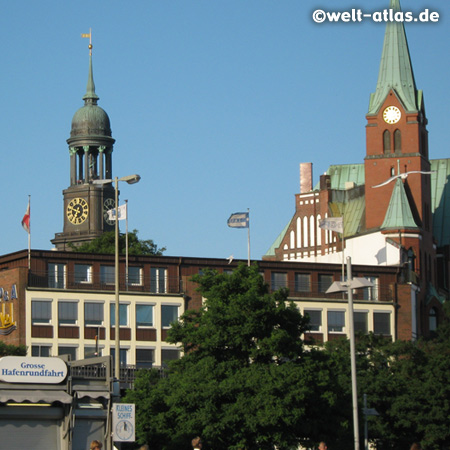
column 90, row 96
column 395, row 68
column 398, row 214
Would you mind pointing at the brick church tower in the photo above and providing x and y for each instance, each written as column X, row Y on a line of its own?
column 397, row 146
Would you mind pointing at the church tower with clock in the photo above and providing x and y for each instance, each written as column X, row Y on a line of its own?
column 87, row 199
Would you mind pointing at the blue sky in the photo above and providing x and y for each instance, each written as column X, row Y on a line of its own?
column 213, row 102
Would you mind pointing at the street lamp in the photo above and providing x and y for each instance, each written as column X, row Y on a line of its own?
column 342, row 286
column 130, row 179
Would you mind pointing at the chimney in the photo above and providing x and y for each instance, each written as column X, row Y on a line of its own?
column 305, row 177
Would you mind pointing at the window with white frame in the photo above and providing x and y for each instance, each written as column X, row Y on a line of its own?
column 93, row 313
column 41, row 312
column 382, row 323
column 66, row 350
column 144, row 315
column 123, row 354
column 158, row 280
column 91, row 351
column 123, row 314
column 83, row 273
column 107, row 274
column 67, row 313
column 41, row 350
column 135, row 276
column 336, row 321
column 145, row 357
column 360, row 322
column 169, row 314
column 169, row 354
column 371, row 293
column 56, row 276
column 315, row 319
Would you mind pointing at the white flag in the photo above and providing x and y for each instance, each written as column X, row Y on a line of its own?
column 335, row 224
column 122, row 213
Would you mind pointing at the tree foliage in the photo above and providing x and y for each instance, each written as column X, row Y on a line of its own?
column 12, row 350
column 106, row 243
column 245, row 380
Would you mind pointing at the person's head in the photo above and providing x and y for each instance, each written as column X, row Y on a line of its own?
column 416, row 446
column 322, row 446
column 196, row 442
column 95, row 445
column 144, row 447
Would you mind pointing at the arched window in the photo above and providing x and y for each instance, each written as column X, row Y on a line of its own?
column 397, row 141
column 386, row 142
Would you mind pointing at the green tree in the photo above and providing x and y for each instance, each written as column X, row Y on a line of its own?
column 408, row 383
column 106, row 244
column 12, row 350
column 245, row 380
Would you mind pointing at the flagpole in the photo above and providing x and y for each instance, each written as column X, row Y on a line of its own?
column 248, row 236
column 126, row 244
column 29, row 234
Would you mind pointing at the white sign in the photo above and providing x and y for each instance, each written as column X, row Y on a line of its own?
column 21, row 369
column 123, row 422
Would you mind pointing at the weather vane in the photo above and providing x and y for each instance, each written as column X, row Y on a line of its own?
column 88, row 35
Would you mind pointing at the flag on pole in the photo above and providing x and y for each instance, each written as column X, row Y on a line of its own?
column 335, row 224
column 239, row 220
column 26, row 219
column 122, row 213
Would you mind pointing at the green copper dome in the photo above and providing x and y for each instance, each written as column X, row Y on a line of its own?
column 90, row 120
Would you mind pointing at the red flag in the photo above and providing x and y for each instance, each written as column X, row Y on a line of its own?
column 26, row 219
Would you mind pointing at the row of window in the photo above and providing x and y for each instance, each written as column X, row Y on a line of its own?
column 302, row 283
column 144, row 357
column 41, row 314
column 336, row 321
column 57, row 275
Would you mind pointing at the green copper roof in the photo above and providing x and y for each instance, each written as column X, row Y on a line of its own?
column 399, row 215
column 395, row 68
column 440, row 200
column 344, row 173
column 90, row 88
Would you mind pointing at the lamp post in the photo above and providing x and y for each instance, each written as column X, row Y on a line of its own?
column 130, row 179
column 349, row 285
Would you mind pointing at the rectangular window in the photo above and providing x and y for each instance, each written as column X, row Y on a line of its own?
column 41, row 350
column 302, row 282
column 92, row 352
column 71, row 351
column 135, row 276
column 278, row 280
column 360, row 322
column 123, row 315
column 67, row 313
column 93, row 313
column 315, row 319
column 145, row 357
column 169, row 314
column 123, row 356
column 158, row 280
column 83, row 273
column 382, row 323
column 371, row 293
column 144, row 315
column 57, row 276
column 107, row 274
column 168, row 354
column 325, row 281
column 336, row 321
column 41, row 312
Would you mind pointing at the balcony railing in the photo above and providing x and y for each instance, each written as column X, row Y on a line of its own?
column 94, row 281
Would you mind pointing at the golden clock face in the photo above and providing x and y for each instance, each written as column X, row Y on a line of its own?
column 77, row 210
column 108, row 204
column 391, row 114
